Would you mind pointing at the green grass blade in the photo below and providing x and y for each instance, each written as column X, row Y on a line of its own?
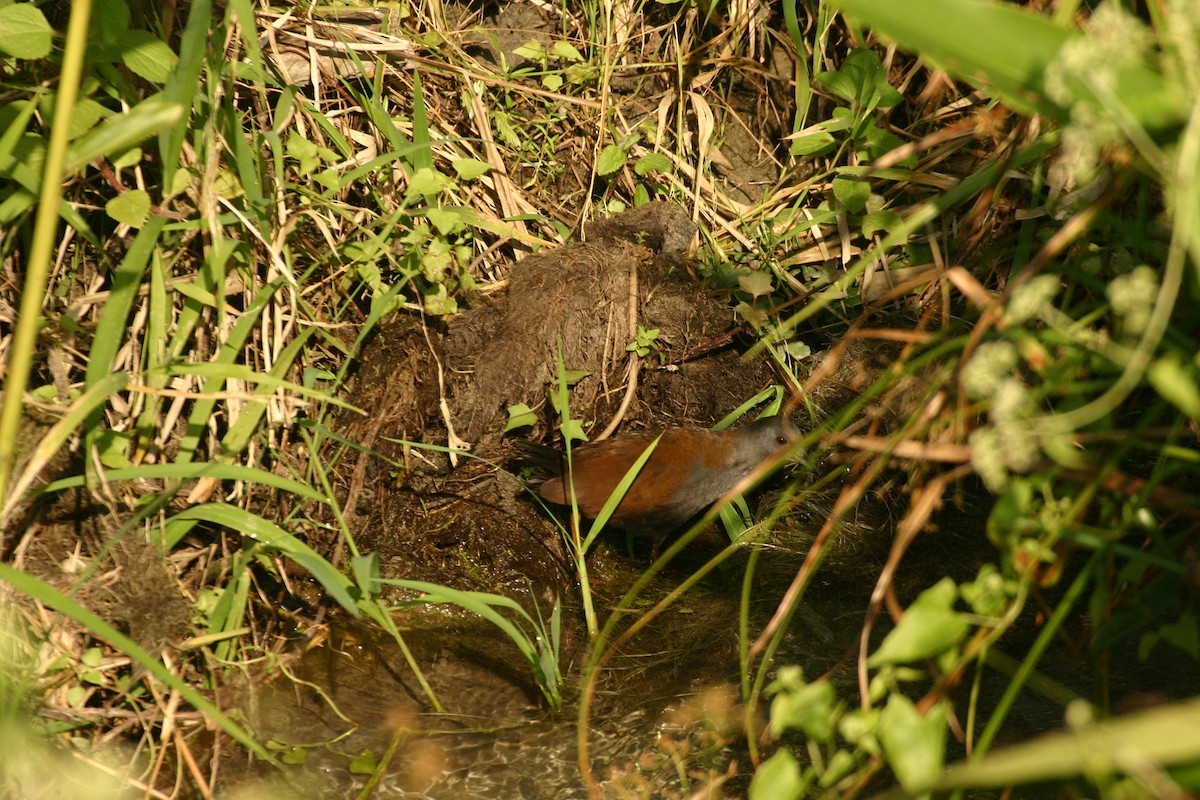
column 122, row 131
column 192, row 470
column 181, row 85
column 273, row 537
column 240, row 372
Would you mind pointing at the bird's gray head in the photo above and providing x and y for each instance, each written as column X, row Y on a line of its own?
column 758, row 441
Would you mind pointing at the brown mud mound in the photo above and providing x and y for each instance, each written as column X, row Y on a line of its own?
column 586, row 301
column 473, row 526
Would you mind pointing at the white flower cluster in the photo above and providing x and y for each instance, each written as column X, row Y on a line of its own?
column 1084, row 71
column 1132, row 297
column 1011, row 442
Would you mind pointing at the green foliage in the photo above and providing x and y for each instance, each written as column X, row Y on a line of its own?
column 842, row 743
column 1017, row 52
column 1079, row 367
column 644, row 343
column 540, row 644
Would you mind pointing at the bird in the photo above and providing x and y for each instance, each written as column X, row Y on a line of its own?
column 689, row 470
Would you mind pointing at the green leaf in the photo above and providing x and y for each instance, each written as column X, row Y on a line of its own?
column 110, row 19
column 652, row 162
column 813, row 144
column 438, row 302
column 811, row 708
column 929, row 627
column 840, row 765
column 86, row 113
column 531, row 50
column 520, row 416
column 469, row 169
column 91, row 657
column 132, row 207
column 566, row 51
column 915, row 746
column 147, row 55
column 880, row 221
column 426, row 182
column 194, row 470
column 366, row 572
column 446, row 220
column 861, row 82
column 779, row 778
column 611, row 159
column 113, row 446
column 365, row 763
column 1176, row 383
column 1157, row 739
column 295, row 756
column 24, row 31
column 853, row 193
column 757, row 283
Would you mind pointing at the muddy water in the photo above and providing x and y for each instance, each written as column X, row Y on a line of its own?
column 666, row 719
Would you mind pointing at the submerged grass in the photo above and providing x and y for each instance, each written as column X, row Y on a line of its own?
column 245, row 199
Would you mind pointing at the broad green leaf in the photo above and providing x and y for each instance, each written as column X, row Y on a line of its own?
column 652, row 162
column 446, row 220
column 756, row 283
column 24, row 31
column 852, row 192
column 779, row 778
column 811, row 708
column 113, row 447
column 110, row 19
column 915, row 745
column 469, row 169
column 880, row 221
column 438, row 302
column 520, row 416
column 426, row 182
column 365, row 763
column 812, row 144
column 86, row 113
column 611, row 159
column 566, row 51
column 147, row 55
column 14, row 119
column 131, row 208
column 928, row 628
